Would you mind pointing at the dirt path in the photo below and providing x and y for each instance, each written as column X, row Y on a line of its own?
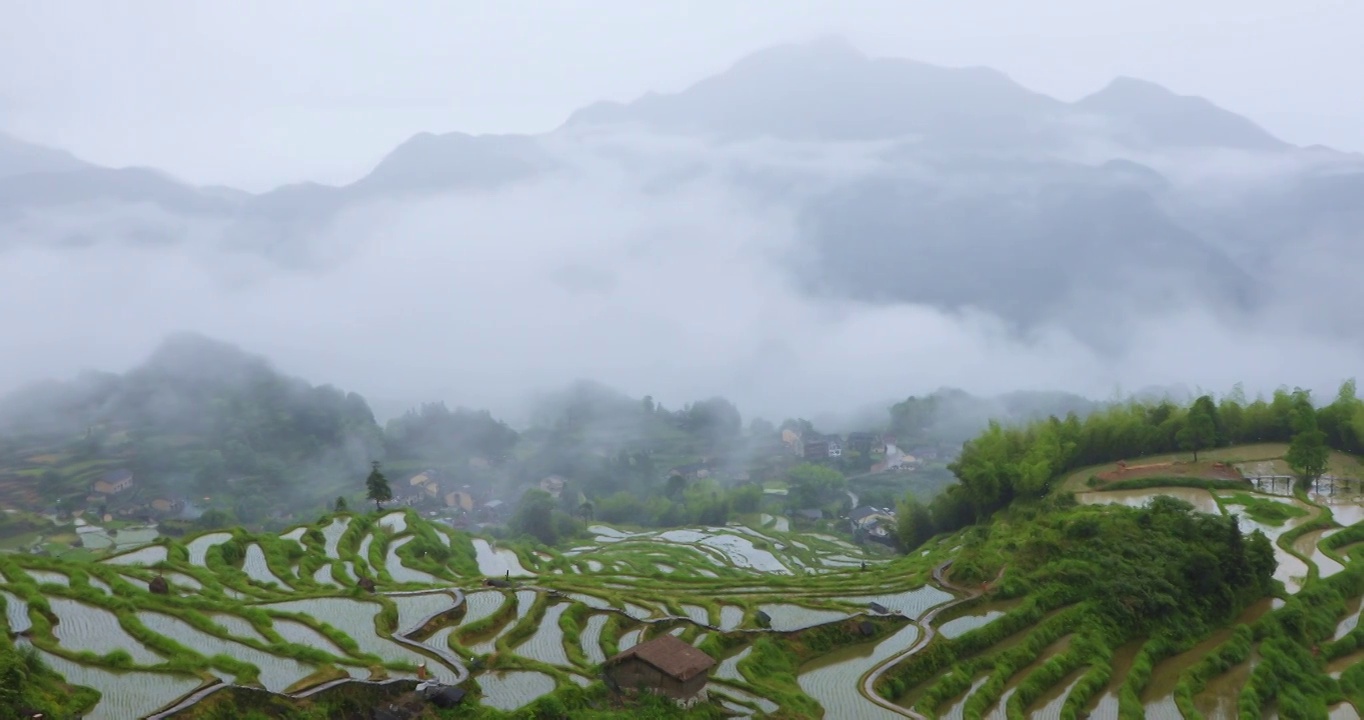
column 926, row 635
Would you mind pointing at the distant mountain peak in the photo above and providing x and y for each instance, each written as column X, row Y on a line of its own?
column 828, row 90
column 19, row 157
column 1157, row 115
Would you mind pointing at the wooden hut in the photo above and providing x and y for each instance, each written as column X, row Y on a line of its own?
column 158, row 586
column 665, row 665
column 365, row 584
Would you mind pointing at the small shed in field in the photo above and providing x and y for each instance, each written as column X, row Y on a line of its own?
column 665, row 665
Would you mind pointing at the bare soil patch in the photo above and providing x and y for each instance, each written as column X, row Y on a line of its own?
column 1214, row 470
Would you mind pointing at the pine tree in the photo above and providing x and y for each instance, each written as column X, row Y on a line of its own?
column 341, row 505
column 377, row 487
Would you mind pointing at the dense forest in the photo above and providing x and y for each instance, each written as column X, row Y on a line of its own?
column 1005, row 463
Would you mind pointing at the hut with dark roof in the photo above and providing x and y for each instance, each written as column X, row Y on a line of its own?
column 665, row 665
column 158, row 586
column 365, row 584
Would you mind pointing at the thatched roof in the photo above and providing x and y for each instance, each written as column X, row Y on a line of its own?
column 673, row 657
column 159, row 586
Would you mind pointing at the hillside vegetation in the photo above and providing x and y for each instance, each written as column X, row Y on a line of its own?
column 1022, row 462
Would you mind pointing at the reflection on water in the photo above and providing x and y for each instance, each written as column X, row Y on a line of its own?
column 833, row 679
column 1220, row 696
column 1050, row 703
column 1106, row 704
column 1309, row 546
column 1000, row 709
column 1158, row 697
column 514, row 689
column 1202, row 500
column 123, row 695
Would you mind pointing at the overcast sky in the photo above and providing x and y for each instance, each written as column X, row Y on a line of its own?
column 254, row 93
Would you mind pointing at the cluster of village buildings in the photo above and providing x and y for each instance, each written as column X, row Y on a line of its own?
column 438, row 494
column 114, row 489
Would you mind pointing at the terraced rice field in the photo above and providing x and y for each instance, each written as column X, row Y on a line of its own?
column 716, row 583
column 1299, row 559
column 618, row 594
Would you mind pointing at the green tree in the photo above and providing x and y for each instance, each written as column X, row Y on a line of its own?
column 1200, row 426
column 537, row 515
column 914, row 523
column 1307, row 451
column 812, row 486
column 376, row 486
column 341, row 504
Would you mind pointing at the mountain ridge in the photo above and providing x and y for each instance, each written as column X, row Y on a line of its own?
column 829, row 59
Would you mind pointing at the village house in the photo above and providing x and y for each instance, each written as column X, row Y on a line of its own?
column 423, row 486
column 113, row 482
column 692, row 471
column 459, row 499
column 791, row 439
column 554, row 485
column 168, row 505
column 876, row 524
column 814, row 447
column 860, row 442
column 665, row 665
column 492, row 510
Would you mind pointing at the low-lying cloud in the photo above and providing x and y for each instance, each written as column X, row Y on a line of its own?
column 483, row 298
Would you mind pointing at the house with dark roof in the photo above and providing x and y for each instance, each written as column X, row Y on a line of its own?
column 692, row 471
column 860, row 442
column 114, row 481
column 664, row 665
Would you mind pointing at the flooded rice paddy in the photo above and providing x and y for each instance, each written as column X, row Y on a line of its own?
column 412, row 609
column 400, row 572
column 16, row 613
column 276, row 673
column 658, row 582
column 331, row 536
column 500, row 562
column 514, row 689
column 150, row 555
column 978, row 617
column 834, row 679
column 85, row 627
column 199, row 546
column 124, row 695
column 547, row 644
column 256, row 567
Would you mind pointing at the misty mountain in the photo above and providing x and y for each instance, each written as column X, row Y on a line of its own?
column 955, row 188
column 828, row 91
column 21, row 158
column 195, row 387
column 1152, row 116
